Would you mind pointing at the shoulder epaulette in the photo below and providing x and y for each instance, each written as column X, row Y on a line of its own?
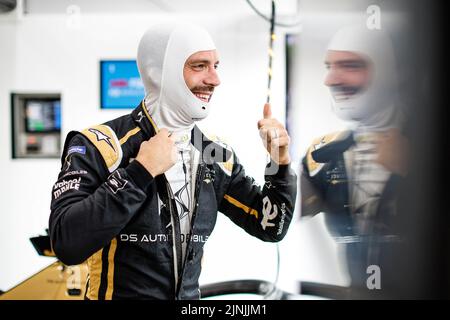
column 313, row 166
column 107, row 143
column 226, row 166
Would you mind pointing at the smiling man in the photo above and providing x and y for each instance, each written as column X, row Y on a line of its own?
column 140, row 193
column 348, row 75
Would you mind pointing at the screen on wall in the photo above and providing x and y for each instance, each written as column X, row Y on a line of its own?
column 42, row 115
column 120, row 84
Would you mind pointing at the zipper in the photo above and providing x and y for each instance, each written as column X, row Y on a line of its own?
column 176, row 237
column 198, row 179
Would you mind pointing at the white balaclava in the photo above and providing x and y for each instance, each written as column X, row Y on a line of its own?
column 374, row 107
column 162, row 53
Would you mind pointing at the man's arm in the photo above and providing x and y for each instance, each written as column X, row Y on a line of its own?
column 263, row 212
column 89, row 205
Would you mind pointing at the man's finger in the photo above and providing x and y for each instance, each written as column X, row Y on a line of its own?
column 267, row 111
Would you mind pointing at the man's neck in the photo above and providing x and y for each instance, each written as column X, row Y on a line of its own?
column 163, row 117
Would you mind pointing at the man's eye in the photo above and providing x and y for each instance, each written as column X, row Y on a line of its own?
column 354, row 66
column 216, row 66
column 198, row 66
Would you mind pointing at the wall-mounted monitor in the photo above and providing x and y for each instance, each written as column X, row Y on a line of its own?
column 36, row 125
column 42, row 115
column 120, row 84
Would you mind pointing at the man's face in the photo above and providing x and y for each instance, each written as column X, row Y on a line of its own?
column 200, row 73
column 348, row 74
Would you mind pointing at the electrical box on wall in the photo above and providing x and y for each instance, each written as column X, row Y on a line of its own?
column 36, row 125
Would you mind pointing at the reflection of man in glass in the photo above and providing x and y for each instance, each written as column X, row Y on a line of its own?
column 351, row 175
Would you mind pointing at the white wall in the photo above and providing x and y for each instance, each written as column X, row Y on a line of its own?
column 40, row 53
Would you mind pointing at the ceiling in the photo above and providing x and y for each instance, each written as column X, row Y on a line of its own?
column 284, row 7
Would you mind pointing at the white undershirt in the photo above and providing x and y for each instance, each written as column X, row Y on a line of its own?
column 367, row 179
column 181, row 184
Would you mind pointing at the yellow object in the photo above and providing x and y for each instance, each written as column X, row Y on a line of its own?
column 129, row 134
column 313, row 166
column 105, row 140
column 238, row 204
column 55, row 282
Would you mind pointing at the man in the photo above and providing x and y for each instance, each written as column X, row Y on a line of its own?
column 352, row 176
column 138, row 196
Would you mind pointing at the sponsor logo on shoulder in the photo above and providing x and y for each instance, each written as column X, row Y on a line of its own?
column 102, row 137
column 77, row 149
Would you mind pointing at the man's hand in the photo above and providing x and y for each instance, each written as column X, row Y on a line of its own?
column 158, row 154
column 392, row 150
column 275, row 137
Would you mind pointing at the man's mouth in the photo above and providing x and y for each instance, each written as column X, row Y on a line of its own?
column 204, row 96
column 204, row 93
column 342, row 93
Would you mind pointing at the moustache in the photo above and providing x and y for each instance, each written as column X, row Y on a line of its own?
column 347, row 90
column 205, row 89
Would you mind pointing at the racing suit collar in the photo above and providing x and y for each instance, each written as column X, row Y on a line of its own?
column 210, row 151
column 144, row 121
column 335, row 148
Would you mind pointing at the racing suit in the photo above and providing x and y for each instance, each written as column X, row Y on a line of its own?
column 105, row 210
column 326, row 181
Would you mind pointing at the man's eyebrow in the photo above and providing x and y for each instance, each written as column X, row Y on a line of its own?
column 346, row 62
column 351, row 61
column 202, row 61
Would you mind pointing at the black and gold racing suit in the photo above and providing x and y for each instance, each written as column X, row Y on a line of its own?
column 105, row 210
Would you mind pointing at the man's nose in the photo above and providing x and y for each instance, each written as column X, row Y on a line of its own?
column 332, row 78
column 213, row 78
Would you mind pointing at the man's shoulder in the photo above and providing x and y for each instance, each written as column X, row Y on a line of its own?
column 319, row 142
column 225, row 158
column 221, row 141
column 113, row 129
column 325, row 139
column 107, row 138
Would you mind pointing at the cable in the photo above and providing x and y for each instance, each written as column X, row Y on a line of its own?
column 273, row 23
column 185, row 180
column 274, row 285
column 279, row 24
column 269, row 83
column 272, row 38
